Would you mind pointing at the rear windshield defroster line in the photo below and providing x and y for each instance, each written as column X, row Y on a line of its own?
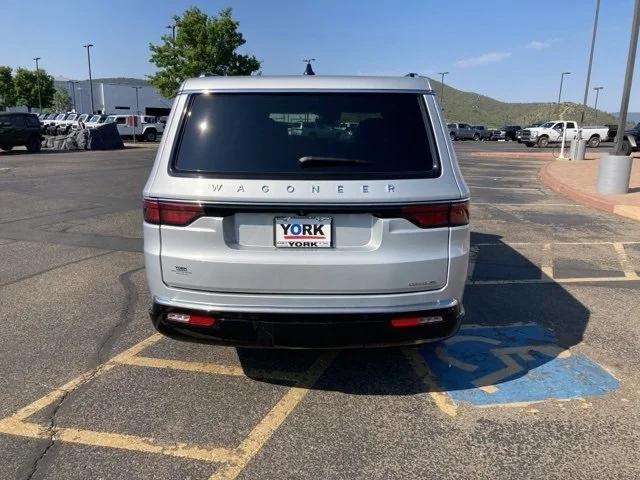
column 264, row 135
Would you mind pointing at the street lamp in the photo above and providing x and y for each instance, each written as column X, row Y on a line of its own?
column 595, row 107
column 137, row 113
column 614, row 171
column 38, row 83
column 88, row 46
column 581, row 145
column 561, row 80
column 442, row 74
column 173, row 31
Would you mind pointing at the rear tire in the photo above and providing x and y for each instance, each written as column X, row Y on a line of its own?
column 626, row 148
column 34, row 145
column 453, row 136
column 150, row 135
column 594, row 141
column 476, row 137
column 543, row 142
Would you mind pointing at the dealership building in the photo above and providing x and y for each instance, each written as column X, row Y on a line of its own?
column 116, row 98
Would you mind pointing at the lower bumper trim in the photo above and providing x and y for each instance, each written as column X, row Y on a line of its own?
column 271, row 330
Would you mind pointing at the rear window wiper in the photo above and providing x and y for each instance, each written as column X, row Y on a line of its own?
column 329, row 161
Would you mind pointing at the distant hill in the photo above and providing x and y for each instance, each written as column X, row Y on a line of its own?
column 476, row 109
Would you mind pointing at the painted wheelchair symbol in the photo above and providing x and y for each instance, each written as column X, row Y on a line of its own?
column 511, row 364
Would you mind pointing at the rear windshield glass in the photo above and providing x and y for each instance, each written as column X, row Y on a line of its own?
column 307, row 135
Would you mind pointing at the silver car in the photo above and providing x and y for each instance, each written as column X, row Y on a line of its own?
column 256, row 236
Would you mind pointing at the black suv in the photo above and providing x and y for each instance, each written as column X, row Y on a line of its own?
column 20, row 129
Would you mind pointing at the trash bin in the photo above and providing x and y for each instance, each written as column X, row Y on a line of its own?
column 578, row 149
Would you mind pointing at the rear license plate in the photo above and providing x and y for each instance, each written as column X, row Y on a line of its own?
column 302, row 232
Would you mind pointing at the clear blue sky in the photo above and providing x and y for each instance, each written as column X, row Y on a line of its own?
column 508, row 50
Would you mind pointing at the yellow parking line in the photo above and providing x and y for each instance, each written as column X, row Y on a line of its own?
column 547, row 260
column 627, row 268
column 59, row 392
column 14, row 426
column 71, row 385
column 205, row 367
column 261, row 433
column 440, row 398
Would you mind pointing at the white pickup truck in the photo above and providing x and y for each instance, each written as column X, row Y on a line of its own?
column 148, row 127
column 551, row 132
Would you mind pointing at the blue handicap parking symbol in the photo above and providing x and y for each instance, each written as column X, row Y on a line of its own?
column 514, row 363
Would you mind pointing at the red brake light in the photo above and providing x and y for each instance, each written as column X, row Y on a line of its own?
column 428, row 216
column 404, row 322
column 151, row 211
column 459, row 214
column 437, row 214
column 177, row 214
column 197, row 319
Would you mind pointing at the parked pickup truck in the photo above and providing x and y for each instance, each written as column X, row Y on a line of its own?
column 551, row 132
column 148, row 127
column 462, row 131
column 485, row 133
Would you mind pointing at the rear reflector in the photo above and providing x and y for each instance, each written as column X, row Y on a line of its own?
column 192, row 319
column 179, row 214
column 404, row 322
column 437, row 214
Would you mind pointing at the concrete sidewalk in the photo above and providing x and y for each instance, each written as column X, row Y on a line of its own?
column 577, row 180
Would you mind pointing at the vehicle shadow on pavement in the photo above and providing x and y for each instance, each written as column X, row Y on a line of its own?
column 514, row 326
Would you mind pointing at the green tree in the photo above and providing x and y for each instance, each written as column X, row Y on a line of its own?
column 26, row 86
column 61, row 100
column 7, row 88
column 203, row 44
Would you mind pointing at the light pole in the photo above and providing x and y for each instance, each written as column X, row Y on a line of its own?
column 586, row 86
column 173, row 31
column 581, row 145
column 88, row 46
column 135, row 121
column 442, row 74
column 614, row 171
column 561, row 81
column 595, row 107
column 38, row 83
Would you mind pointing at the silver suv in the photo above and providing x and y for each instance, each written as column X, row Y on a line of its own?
column 257, row 236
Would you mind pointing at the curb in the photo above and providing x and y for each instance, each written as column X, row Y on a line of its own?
column 628, row 211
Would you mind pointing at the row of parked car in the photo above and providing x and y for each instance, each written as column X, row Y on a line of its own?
column 538, row 134
column 464, row 131
column 144, row 127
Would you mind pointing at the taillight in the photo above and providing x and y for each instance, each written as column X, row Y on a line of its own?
column 404, row 322
column 459, row 214
column 437, row 214
column 177, row 214
column 151, row 211
column 198, row 319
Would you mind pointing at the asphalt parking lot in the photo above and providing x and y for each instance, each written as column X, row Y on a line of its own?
column 543, row 380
